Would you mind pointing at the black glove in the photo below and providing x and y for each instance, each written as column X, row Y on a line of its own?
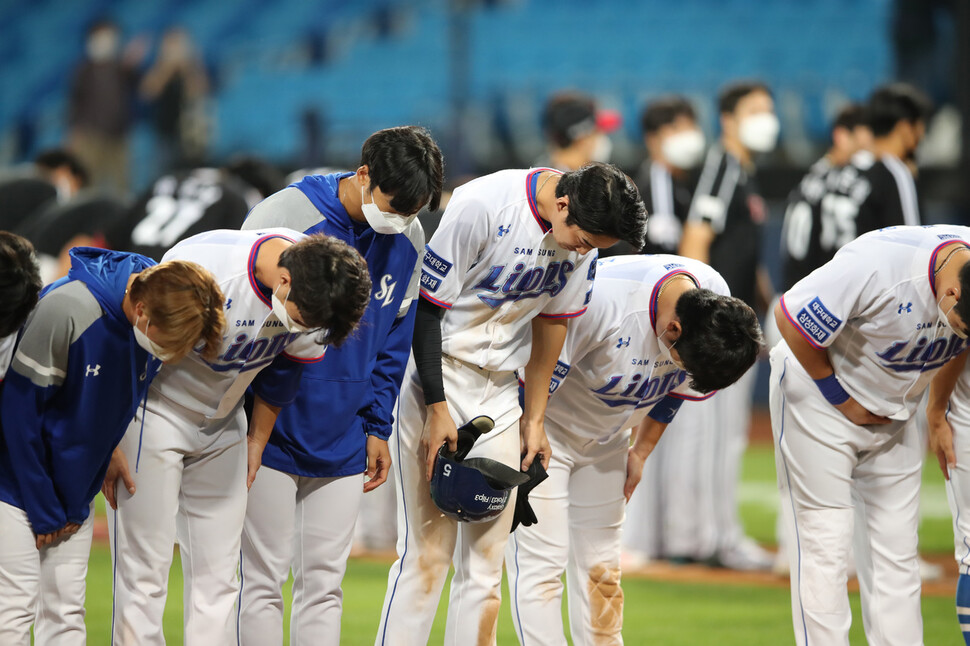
column 524, row 515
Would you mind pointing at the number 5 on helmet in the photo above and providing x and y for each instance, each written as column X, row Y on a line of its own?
column 473, row 490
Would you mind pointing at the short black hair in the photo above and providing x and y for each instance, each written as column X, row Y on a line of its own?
column 665, row 111
column 568, row 115
column 54, row 158
column 604, row 201
column 895, row 102
column 20, row 282
column 720, row 338
column 851, row 117
column 330, row 285
column 406, row 164
column 963, row 303
column 731, row 95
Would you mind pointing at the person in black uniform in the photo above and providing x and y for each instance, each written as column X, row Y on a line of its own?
column 724, row 229
column 56, row 176
column 808, row 241
column 897, row 115
column 182, row 204
column 675, row 144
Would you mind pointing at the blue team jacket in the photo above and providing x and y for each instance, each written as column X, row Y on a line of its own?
column 72, row 388
column 351, row 393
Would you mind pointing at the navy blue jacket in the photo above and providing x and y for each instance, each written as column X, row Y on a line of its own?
column 351, row 393
column 75, row 381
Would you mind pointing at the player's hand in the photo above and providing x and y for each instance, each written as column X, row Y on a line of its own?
column 43, row 540
column 71, row 528
column 117, row 468
column 859, row 415
column 439, row 428
column 941, row 443
column 254, row 449
column 533, row 442
column 378, row 462
column 634, row 471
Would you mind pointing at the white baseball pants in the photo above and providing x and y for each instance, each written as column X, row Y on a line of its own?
column 580, row 508
column 190, row 485
column 828, row 469
column 303, row 523
column 428, row 541
column 43, row 588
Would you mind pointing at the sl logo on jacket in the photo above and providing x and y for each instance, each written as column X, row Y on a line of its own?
column 386, row 293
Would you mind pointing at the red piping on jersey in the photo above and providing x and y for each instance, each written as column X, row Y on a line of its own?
column 530, row 196
column 251, row 269
column 304, row 359
column 691, row 397
column 567, row 315
column 933, row 261
column 811, row 341
column 434, row 300
column 656, row 290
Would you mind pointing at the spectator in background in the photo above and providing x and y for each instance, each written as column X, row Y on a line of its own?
column 55, row 177
column 576, row 131
column 175, row 87
column 723, row 229
column 100, row 105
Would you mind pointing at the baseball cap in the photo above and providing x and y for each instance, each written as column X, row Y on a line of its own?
column 571, row 115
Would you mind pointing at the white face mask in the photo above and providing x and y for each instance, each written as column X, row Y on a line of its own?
column 759, row 132
column 684, row 149
column 665, row 350
column 279, row 309
column 602, row 149
column 945, row 317
column 149, row 346
column 382, row 221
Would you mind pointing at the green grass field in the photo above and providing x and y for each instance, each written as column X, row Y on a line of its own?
column 656, row 612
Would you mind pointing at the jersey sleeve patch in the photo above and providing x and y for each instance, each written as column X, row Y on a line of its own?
column 436, row 263
column 815, row 321
column 429, row 282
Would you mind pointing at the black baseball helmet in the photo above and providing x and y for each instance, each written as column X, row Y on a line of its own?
column 473, row 490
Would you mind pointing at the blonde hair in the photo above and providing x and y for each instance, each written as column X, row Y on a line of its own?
column 184, row 302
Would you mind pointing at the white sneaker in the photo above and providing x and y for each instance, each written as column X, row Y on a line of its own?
column 633, row 560
column 930, row 572
column 746, row 556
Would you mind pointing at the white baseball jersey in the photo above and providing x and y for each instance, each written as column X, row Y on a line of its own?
column 494, row 265
column 611, row 371
column 879, row 320
column 254, row 335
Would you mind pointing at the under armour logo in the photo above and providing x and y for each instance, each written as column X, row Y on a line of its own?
column 228, row 303
column 624, row 343
column 908, row 307
column 503, row 230
column 92, row 371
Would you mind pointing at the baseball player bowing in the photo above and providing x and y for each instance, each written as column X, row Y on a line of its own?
column 862, row 337
column 659, row 329
column 948, row 414
column 286, row 295
column 303, row 506
column 506, row 269
column 82, row 366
